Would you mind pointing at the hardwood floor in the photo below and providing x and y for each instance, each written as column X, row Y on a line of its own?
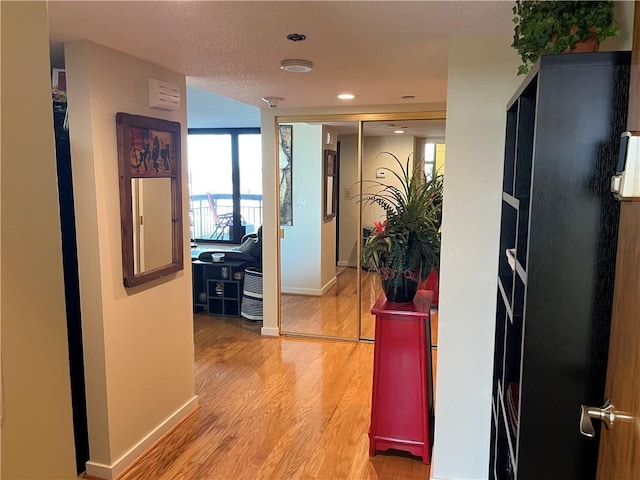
column 275, row 408
column 335, row 314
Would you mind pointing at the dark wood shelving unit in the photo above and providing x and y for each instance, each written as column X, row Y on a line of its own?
column 217, row 287
column 554, row 298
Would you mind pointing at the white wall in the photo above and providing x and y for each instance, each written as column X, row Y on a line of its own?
column 37, row 433
column 301, row 245
column 138, row 342
column 482, row 78
column 308, row 248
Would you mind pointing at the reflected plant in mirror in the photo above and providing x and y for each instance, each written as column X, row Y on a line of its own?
column 150, row 197
column 405, row 247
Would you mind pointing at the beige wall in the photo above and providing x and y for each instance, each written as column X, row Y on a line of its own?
column 138, row 342
column 328, row 227
column 156, row 224
column 1, row 370
column 373, row 157
column 37, row 435
column 349, row 209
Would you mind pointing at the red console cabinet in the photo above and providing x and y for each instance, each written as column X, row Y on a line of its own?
column 402, row 401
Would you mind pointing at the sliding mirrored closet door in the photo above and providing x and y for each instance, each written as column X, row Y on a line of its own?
column 410, row 141
column 324, row 165
column 318, row 220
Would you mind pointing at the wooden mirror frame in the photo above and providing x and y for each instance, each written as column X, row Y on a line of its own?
column 130, row 161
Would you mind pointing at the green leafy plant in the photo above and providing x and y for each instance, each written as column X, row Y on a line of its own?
column 556, row 27
column 408, row 241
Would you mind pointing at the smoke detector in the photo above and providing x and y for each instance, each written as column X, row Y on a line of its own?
column 272, row 101
column 296, row 65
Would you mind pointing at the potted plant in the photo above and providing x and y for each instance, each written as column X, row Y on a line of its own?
column 405, row 247
column 557, row 27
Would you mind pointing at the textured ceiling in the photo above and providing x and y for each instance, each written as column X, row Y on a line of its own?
column 378, row 50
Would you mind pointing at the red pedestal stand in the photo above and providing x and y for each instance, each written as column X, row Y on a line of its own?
column 402, row 402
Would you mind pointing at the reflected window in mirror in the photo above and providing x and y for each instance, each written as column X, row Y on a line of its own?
column 434, row 153
column 225, row 183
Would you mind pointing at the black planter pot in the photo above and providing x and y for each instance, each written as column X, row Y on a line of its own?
column 400, row 287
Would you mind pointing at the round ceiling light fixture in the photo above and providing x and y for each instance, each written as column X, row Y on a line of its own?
column 346, row 96
column 296, row 65
column 398, row 131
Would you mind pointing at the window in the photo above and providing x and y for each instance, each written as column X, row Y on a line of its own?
column 225, row 183
column 434, row 152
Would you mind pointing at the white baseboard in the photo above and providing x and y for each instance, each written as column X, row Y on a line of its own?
column 329, row 284
column 270, row 332
column 312, row 292
column 110, row 472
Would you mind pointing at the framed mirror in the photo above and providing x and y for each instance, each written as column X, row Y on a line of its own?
column 150, row 197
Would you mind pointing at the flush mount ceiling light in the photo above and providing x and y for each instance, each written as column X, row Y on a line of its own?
column 398, row 131
column 346, row 96
column 296, row 65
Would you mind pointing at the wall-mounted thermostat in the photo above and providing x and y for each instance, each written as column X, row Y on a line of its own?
column 348, row 193
column 625, row 184
column 381, row 173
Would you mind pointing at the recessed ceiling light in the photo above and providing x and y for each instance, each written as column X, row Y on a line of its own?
column 346, row 96
column 296, row 65
column 296, row 37
column 408, row 97
column 398, row 131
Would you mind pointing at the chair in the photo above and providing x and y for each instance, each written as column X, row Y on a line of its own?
column 250, row 251
column 222, row 222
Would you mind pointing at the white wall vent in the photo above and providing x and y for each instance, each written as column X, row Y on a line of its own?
column 163, row 95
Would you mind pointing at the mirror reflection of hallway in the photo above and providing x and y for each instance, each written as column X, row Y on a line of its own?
column 421, row 143
column 318, row 255
column 323, row 292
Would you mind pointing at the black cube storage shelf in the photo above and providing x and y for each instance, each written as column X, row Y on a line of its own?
column 217, row 287
column 555, row 288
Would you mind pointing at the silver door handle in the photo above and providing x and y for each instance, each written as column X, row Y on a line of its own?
column 607, row 415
